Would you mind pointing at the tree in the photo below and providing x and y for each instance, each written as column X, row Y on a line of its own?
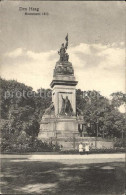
column 101, row 115
column 22, row 109
column 118, row 99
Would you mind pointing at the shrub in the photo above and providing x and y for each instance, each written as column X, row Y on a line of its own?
column 32, row 145
column 120, row 143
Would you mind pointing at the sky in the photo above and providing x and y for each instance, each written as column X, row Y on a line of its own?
column 29, row 44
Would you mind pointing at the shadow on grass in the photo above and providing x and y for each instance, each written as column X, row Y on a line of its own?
column 58, row 178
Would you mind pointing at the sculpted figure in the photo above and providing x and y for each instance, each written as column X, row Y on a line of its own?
column 66, row 108
column 63, row 106
column 66, row 57
column 63, row 55
column 62, row 52
column 50, row 109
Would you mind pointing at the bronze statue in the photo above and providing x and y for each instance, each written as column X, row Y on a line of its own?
column 66, row 108
column 63, row 55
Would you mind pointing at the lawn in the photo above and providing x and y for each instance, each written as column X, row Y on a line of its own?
column 62, row 177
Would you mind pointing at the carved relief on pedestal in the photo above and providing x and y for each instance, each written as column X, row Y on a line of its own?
column 66, row 108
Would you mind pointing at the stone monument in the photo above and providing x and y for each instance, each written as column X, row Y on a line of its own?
column 62, row 121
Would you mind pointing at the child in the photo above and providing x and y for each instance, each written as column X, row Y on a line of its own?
column 87, row 149
column 80, row 148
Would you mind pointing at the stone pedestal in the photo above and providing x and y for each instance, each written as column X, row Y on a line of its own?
column 60, row 127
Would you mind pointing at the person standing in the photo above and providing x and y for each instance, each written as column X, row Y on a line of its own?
column 81, row 148
column 87, row 148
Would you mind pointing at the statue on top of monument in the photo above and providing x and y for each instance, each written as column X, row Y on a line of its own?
column 62, row 52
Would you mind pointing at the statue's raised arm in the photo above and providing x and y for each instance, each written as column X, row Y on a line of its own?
column 66, row 45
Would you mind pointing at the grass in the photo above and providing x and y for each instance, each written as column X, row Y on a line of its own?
column 63, row 177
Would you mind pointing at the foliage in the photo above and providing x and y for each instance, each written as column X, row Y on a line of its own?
column 21, row 112
column 24, row 144
column 120, row 143
column 118, row 99
column 100, row 115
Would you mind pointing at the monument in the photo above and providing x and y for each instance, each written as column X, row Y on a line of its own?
column 62, row 121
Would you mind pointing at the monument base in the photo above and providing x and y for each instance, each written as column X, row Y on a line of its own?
column 63, row 131
column 51, row 126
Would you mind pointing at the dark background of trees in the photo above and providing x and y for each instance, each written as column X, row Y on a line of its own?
column 21, row 116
